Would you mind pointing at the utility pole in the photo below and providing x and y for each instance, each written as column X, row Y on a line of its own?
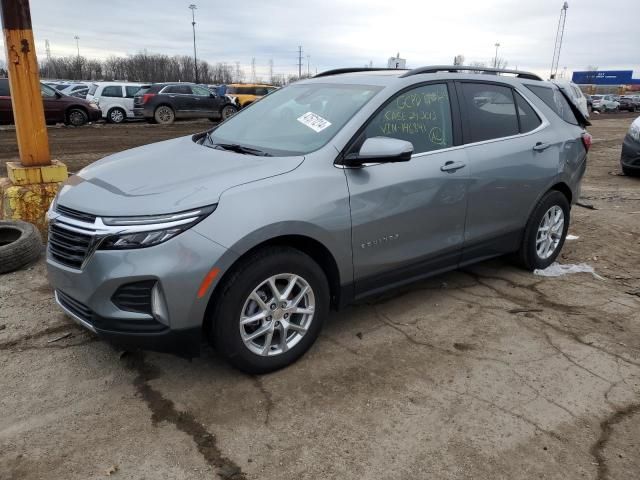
column 308, row 68
column 78, row 72
column 193, row 8
column 558, row 44
column 495, row 59
column 271, row 71
column 32, row 182
column 47, row 49
column 24, row 80
column 253, row 69
column 300, row 61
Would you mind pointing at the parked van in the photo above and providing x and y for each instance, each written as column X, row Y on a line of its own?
column 115, row 99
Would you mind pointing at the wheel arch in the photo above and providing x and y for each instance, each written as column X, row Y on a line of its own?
column 306, row 244
column 564, row 188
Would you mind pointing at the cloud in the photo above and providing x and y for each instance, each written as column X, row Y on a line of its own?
column 337, row 34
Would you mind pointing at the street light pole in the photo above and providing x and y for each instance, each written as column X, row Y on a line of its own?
column 495, row 59
column 193, row 8
column 78, row 72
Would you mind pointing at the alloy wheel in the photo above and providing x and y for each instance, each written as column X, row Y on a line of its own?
column 550, row 232
column 228, row 112
column 277, row 314
column 116, row 115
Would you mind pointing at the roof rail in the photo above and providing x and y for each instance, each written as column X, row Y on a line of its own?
column 464, row 68
column 338, row 71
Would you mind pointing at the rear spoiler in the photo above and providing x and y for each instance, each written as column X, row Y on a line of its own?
column 582, row 120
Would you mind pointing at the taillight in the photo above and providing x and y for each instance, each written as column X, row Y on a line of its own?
column 587, row 140
column 147, row 96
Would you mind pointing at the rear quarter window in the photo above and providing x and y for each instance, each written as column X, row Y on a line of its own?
column 4, row 88
column 555, row 101
column 132, row 90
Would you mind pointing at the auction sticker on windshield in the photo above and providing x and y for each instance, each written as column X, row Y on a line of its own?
column 314, row 122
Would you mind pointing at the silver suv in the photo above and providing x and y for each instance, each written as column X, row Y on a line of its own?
column 322, row 193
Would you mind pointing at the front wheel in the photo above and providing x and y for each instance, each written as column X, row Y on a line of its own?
column 545, row 232
column 270, row 310
column 77, row 117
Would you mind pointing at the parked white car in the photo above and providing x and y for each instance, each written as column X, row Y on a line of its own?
column 604, row 103
column 79, row 90
column 575, row 94
column 114, row 98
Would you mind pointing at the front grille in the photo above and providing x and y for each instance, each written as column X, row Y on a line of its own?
column 78, row 309
column 134, row 297
column 68, row 247
column 75, row 214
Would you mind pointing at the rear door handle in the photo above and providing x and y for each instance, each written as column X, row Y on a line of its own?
column 452, row 166
column 541, row 147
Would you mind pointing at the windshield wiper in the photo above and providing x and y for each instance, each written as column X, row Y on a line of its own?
column 235, row 147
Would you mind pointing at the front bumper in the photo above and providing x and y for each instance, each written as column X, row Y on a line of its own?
column 94, row 114
column 630, row 157
column 177, row 267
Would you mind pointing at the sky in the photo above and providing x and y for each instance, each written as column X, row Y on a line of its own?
column 347, row 33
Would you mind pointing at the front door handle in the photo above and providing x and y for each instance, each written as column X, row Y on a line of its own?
column 452, row 166
column 541, row 147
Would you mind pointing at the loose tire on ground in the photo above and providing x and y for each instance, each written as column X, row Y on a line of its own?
column 528, row 256
column 116, row 115
column 164, row 115
column 20, row 245
column 231, row 297
column 77, row 117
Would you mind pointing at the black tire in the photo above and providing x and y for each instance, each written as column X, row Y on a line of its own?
column 116, row 115
column 527, row 256
column 228, row 111
column 77, row 117
column 20, row 245
column 164, row 115
column 229, row 301
column 631, row 172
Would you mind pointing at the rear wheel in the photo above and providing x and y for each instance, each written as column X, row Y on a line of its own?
column 270, row 310
column 228, row 111
column 116, row 115
column 77, row 117
column 630, row 172
column 164, row 114
column 545, row 232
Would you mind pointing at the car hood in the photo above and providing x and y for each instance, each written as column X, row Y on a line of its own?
column 165, row 177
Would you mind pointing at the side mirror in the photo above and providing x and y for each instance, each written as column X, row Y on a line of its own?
column 380, row 150
column 212, row 95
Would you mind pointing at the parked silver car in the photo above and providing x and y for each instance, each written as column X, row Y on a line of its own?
column 324, row 192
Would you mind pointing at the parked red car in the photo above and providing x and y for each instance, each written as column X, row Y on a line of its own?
column 58, row 107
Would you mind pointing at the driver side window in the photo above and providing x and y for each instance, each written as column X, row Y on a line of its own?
column 421, row 116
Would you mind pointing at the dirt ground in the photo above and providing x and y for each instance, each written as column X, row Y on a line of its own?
column 484, row 373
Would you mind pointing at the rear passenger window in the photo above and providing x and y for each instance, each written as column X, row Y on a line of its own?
column 112, row 91
column 555, row 101
column 490, row 111
column 421, row 116
column 529, row 120
column 131, row 91
column 179, row 89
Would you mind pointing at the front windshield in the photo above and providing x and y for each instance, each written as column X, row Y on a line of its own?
column 294, row 120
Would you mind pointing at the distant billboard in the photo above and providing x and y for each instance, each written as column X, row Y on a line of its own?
column 605, row 77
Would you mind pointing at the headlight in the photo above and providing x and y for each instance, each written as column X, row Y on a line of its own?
column 150, row 230
column 634, row 131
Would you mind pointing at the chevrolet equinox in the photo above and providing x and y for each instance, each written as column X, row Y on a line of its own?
column 322, row 193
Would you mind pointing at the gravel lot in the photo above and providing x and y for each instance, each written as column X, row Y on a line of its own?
column 485, row 373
